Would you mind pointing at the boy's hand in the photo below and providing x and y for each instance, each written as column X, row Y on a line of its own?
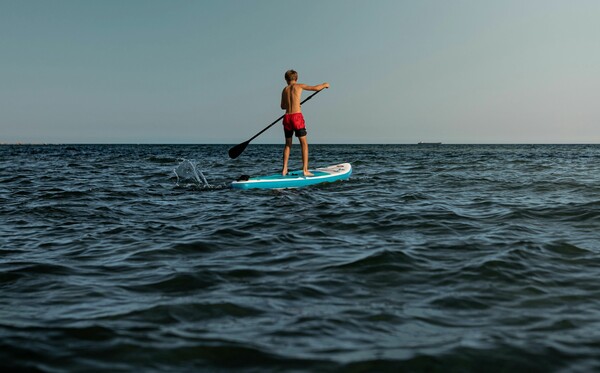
column 326, row 85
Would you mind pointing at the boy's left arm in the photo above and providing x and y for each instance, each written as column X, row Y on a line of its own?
column 283, row 101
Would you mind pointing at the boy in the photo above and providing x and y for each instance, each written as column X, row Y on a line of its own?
column 293, row 121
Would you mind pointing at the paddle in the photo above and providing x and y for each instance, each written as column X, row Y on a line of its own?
column 239, row 148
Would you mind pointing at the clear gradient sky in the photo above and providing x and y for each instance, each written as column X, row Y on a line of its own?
column 461, row 71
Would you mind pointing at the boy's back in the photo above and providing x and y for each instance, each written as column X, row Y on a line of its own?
column 290, row 98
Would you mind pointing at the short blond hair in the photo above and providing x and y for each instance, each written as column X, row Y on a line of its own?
column 291, row 75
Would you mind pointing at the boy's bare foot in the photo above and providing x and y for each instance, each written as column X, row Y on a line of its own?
column 307, row 173
column 284, row 172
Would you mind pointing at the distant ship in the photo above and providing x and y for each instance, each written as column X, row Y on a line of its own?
column 429, row 143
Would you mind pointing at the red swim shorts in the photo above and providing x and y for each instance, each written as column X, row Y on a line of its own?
column 294, row 123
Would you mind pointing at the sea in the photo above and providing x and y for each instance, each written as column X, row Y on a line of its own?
column 430, row 258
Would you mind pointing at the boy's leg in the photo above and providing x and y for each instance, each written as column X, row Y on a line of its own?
column 286, row 155
column 304, row 146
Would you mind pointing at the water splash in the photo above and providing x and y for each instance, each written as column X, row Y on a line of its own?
column 187, row 171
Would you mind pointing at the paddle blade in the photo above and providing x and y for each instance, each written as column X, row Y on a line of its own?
column 237, row 150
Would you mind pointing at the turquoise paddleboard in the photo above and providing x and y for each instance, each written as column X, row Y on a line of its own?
column 295, row 179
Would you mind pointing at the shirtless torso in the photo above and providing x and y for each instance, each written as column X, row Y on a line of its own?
column 290, row 98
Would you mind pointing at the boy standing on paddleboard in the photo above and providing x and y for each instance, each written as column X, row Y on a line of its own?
column 293, row 121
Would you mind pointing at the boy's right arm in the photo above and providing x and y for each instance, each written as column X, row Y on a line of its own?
column 314, row 87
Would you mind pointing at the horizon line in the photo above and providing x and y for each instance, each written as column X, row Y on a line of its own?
column 314, row 143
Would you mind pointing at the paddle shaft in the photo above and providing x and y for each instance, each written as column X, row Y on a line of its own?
column 281, row 117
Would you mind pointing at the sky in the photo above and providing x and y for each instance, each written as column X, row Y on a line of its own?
column 202, row 72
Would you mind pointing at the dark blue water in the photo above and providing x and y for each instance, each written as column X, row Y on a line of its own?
column 430, row 258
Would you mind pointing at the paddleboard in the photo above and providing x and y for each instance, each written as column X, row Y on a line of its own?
column 295, row 179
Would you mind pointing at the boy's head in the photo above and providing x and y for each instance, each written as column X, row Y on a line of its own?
column 291, row 75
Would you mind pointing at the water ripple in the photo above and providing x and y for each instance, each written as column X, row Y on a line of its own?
column 447, row 258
